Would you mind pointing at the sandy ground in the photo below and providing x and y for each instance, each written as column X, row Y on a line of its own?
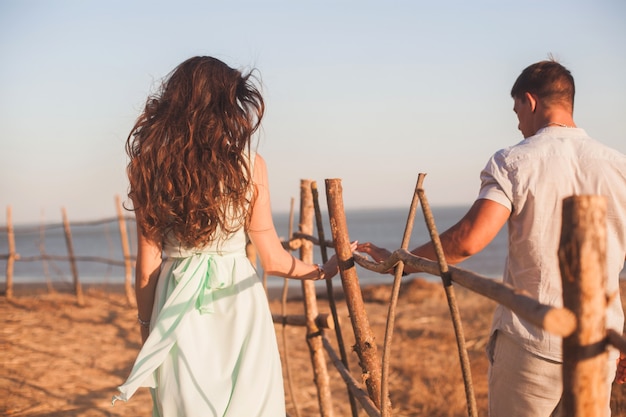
column 59, row 359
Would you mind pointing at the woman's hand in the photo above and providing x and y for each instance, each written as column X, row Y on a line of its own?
column 331, row 267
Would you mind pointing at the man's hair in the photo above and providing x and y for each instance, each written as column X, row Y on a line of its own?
column 550, row 81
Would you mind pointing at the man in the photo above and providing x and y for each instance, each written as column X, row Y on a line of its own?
column 524, row 186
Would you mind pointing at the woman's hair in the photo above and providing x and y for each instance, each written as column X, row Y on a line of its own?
column 189, row 173
column 549, row 81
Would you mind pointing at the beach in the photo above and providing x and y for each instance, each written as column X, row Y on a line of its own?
column 59, row 359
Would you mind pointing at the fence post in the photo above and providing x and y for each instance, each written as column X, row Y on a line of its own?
column 330, row 293
column 128, row 268
column 365, row 347
column 42, row 251
column 70, row 251
column 455, row 314
column 11, row 258
column 314, row 333
column 582, row 259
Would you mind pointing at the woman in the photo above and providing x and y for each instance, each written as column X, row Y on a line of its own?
column 198, row 189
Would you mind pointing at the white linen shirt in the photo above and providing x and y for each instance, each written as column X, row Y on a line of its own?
column 532, row 178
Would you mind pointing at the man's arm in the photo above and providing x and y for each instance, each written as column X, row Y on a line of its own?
column 470, row 235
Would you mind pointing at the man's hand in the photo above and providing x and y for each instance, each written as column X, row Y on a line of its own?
column 378, row 254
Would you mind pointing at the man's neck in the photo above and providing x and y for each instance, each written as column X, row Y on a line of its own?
column 556, row 117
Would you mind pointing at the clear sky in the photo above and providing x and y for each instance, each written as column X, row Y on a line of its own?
column 369, row 92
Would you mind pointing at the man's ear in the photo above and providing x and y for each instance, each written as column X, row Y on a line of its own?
column 532, row 101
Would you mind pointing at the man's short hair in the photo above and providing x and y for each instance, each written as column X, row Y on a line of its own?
column 548, row 81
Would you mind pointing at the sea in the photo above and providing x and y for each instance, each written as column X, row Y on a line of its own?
column 384, row 227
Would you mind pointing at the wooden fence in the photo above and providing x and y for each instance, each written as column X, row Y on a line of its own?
column 580, row 322
column 127, row 259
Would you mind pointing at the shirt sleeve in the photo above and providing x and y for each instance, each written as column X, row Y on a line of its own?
column 494, row 182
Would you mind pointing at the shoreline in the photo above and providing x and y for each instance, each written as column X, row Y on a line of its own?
column 274, row 287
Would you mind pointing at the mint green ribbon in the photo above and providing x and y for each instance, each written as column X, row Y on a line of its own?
column 209, row 284
column 197, row 277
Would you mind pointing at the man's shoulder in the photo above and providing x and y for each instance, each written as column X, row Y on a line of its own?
column 520, row 150
column 599, row 149
column 550, row 144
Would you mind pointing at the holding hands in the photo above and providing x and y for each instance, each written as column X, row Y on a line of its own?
column 331, row 267
column 377, row 253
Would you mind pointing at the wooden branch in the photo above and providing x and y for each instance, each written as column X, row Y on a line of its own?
column 292, row 244
column 27, row 229
column 128, row 287
column 78, row 289
column 582, row 259
column 472, row 409
column 323, row 321
column 283, row 309
column 314, row 333
column 558, row 321
column 330, row 292
column 617, row 340
column 79, row 258
column 298, row 238
column 393, row 302
column 365, row 347
column 12, row 256
column 359, row 394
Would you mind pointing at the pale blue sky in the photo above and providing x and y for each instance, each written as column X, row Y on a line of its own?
column 369, row 92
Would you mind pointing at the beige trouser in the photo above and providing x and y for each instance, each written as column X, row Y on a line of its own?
column 522, row 384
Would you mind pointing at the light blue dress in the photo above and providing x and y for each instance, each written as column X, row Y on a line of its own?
column 212, row 348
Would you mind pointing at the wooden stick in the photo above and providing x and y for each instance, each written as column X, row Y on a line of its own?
column 323, row 321
column 330, row 292
column 617, row 340
column 80, row 258
column 283, row 306
column 314, row 333
column 582, row 259
column 128, row 267
column 472, row 409
column 12, row 256
column 558, row 321
column 70, row 251
column 42, row 250
column 368, row 405
column 297, row 239
column 365, row 346
column 391, row 315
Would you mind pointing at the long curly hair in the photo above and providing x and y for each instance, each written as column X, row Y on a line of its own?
column 189, row 151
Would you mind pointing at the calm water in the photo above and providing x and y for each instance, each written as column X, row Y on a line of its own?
column 384, row 227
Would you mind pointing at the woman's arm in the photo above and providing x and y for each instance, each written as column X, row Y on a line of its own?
column 275, row 260
column 147, row 271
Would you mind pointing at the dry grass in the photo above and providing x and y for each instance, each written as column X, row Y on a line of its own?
column 59, row 359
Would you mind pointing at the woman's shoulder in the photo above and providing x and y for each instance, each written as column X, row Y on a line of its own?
column 257, row 163
column 256, row 157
